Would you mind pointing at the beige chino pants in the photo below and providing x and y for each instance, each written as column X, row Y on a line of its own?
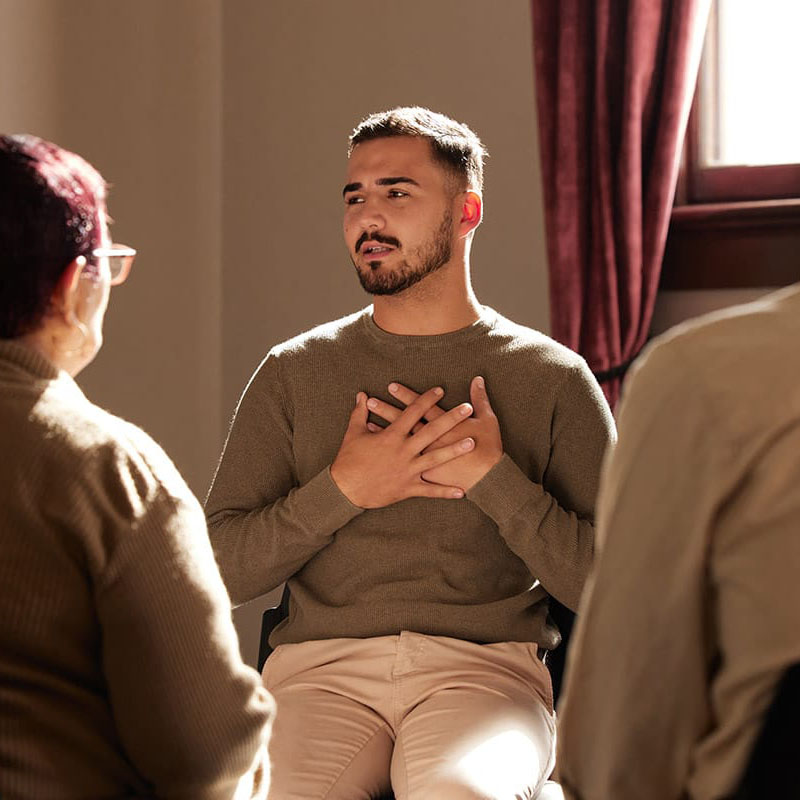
column 434, row 718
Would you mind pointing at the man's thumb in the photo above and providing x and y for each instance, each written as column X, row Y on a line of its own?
column 358, row 416
column 479, row 398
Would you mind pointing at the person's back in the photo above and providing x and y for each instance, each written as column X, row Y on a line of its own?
column 57, row 725
column 694, row 609
column 91, row 515
column 120, row 674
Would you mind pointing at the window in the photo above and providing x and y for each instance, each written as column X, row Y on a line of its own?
column 748, row 119
column 736, row 221
column 745, row 134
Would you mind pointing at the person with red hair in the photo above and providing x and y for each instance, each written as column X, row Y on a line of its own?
column 120, row 673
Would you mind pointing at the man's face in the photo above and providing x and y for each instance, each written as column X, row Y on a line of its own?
column 399, row 210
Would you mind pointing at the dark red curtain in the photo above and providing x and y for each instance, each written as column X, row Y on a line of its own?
column 614, row 82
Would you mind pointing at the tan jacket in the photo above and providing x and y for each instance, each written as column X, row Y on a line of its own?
column 693, row 611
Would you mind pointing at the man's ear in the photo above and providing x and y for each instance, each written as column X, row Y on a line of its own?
column 65, row 294
column 471, row 212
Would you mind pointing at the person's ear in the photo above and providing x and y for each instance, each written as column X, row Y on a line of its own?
column 65, row 294
column 471, row 212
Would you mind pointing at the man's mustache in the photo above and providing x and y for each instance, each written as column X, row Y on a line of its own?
column 376, row 237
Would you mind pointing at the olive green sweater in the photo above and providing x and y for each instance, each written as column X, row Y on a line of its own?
column 480, row 568
column 120, row 673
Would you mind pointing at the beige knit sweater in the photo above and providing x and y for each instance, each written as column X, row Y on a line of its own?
column 480, row 568
column 694, row 610
column 120, row 673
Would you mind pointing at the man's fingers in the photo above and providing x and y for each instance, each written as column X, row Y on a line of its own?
column 358, row 416
column 441, row 455
column 384, row 410
column 479, row 398
column 407, row 396
column 438, row 490
column 388, row 412
column 441, row 425
column 416, row 411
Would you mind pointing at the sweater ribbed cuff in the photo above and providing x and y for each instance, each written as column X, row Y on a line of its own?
column 502, row 491
column 324, row 507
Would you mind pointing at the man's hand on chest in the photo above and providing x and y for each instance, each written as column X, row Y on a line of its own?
column 482, row 427
column 376, row 467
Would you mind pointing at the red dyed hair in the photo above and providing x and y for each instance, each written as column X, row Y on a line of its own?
column 50, row 203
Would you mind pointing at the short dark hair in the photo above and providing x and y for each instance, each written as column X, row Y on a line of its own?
column 453, row 144
column 50, row 203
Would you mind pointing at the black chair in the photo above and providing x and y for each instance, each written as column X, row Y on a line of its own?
column 774, row 767
column 269, row 620
column 564, row 619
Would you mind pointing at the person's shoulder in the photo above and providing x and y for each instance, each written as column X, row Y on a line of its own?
column 144, row 456
column 307, row 353
column 516, row 339
column 758, row 335
column 107, row 454
column 321, row 337
column 735, row 366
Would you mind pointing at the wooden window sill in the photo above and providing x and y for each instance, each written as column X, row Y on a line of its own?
column 734, row 245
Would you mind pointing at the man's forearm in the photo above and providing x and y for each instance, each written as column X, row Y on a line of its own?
column 258, row 549
column 555, row 544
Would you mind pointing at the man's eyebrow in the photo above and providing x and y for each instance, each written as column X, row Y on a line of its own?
column 393, row 181
column 354, row 187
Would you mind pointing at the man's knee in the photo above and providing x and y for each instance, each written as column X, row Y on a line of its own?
column 457, row 788
column 453, row 788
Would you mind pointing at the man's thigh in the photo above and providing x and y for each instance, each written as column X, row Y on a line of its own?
column 486, row 731
column 325, row 742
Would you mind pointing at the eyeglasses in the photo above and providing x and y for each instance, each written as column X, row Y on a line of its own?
column 120, row 258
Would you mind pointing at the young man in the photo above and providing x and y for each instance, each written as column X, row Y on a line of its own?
column 694, row 611
column 422, row 531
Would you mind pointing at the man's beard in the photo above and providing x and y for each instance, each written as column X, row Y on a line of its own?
column 431, row 256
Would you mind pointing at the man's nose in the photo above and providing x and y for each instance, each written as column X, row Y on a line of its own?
column 371, row 217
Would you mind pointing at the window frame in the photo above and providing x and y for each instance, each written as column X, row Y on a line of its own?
column 735, row 226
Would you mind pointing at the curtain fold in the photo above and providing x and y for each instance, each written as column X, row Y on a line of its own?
column 614, row 83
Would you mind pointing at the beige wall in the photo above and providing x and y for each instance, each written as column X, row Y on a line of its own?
column 135, row 87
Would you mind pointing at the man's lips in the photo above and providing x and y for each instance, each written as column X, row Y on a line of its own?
column 376, row 250
column 376, row 245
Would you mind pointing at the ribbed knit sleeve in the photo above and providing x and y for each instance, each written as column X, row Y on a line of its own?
column 263, row 523
column 555, row 537
column 190, row 715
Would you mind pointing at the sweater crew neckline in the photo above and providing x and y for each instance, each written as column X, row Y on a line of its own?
column 27, row 359
column 485, row 322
